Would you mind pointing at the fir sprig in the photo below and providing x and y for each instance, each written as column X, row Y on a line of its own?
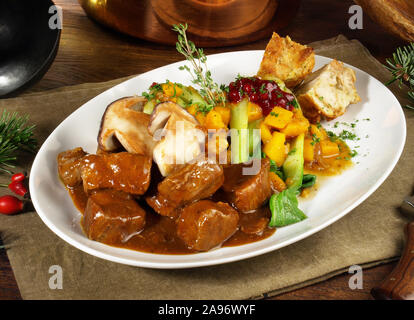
column 15, row 135
column 210, row 90
column 401, row 67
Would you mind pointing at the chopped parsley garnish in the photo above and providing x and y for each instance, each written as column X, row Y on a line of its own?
column 274, row 114
column 315, row 139
column 353, row 153
column 347, row 135
column 332, row 136
column 295, row 104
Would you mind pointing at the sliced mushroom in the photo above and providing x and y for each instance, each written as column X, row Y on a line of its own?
column 181, row 138
column 124, row 124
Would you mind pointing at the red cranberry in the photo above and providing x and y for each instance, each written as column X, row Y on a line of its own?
column 275, row 96
column 270, row 86
column 266, row 107
column 289, row 97
column 234, row 96
column 245, row 81
column 281, row 102
column 264, row 96
column 247, row 88
column 232, row 86
column 254, row 97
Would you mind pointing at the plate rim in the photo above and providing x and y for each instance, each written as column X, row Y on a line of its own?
column 216, row 260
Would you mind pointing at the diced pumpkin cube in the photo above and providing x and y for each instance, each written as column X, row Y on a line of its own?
column 275, row 149
column 214, row 121
column 254, row 112
column 172, row 90
column 265, row 133
column 319, row 133
column 225, row 114
column 193, row 110
column 201, row 118
column 329, row 148
column 277, row 182
column 217, row 143
column 278, row 118
column 298, row 114
column 296, row 127
column 308, row 150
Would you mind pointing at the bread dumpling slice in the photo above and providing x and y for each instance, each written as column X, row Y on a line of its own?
column 328, row 92
column 286, row 60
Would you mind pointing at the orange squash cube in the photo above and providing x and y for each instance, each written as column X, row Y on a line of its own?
column 278, row 118
column 275, row 149
column 225, row 114
column 254, row 112
column 308, row 150
column 277, row 182
column 296, row 127
column 318, row 132
column 171, row 90
column 265, row 133
column 329, row 148
column 214, row 121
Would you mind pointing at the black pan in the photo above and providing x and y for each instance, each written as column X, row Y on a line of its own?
column 27, row 44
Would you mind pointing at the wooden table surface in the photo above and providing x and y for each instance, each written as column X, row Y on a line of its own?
column 91, row 53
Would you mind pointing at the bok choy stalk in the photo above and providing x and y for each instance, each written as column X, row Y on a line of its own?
column 239, row 133
column 284, row 205
column 254, row 139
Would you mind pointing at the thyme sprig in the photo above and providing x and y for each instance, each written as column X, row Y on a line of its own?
column 210, row 90
column 401, row 66
column 15, row 136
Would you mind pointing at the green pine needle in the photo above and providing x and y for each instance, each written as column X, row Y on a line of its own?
column 401, row 67
column 15, row 136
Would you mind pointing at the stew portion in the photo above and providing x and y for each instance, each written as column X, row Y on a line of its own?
column 127, row 203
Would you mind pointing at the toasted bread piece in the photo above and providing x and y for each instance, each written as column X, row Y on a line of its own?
column 286, row 60
column 328, row 92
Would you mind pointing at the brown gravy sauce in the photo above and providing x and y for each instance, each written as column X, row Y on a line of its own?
column 159, row 235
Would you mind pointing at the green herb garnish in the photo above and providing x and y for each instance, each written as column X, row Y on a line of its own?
column 210, row 90
column 347, row 135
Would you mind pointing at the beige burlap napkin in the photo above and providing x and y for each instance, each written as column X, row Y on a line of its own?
column 369, row 235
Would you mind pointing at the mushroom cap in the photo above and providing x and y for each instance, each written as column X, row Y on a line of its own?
column 180, row 137
column 124, row 124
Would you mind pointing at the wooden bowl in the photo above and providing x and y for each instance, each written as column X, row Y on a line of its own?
column 396, row 16
column 211, row 23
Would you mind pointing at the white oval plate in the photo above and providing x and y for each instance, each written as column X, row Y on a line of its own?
column 386, row 130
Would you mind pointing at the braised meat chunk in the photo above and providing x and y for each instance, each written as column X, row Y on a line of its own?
column 193, row 182
column 69, row 166
column 247, row 192
column 206, row 224
column 112, row 217
column 122, row 171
